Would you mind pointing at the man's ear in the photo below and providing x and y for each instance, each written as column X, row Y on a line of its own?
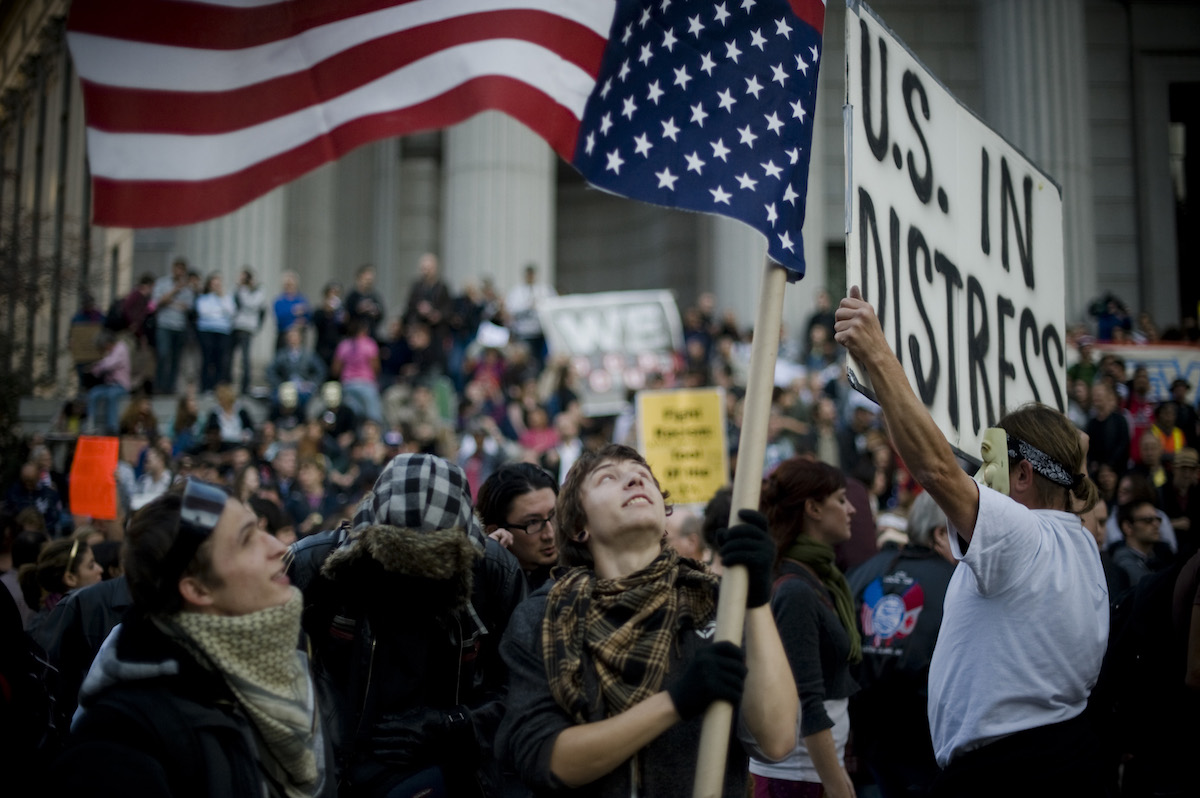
column 1021, row 477
column 194, row 592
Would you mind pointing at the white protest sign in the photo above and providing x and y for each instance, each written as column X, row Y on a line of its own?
column 614, row 340
column 955, row 238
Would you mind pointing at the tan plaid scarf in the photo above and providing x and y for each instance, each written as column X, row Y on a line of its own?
column 624, row 627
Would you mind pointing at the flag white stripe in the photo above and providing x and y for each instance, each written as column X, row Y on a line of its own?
column 139, row 65
column 140, row 156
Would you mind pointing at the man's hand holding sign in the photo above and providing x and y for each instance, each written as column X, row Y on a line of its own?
column 926, row 453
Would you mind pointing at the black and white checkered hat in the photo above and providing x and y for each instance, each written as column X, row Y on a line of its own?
column 421, row 492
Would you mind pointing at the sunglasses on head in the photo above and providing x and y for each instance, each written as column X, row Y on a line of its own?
column 198, row 516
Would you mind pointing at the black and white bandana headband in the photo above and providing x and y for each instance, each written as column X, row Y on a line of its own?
column 1042, row 463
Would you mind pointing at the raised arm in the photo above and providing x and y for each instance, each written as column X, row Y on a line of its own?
column 918, row 440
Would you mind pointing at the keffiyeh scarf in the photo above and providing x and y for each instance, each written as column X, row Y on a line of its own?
column 624, row 627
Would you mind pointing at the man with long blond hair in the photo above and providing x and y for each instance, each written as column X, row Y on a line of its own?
column 1026, row 613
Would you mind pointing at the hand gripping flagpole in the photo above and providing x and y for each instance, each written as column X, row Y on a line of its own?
column 747, row 484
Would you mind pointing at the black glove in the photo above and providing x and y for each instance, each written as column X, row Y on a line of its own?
column 422, row 737
column 717, row 673
column 749, row 544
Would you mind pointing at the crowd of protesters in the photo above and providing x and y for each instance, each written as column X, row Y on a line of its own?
column 352, row 391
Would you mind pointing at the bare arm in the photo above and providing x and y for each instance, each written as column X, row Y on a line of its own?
column 770, row 705
column 582, row 754
column 834, row 777
column 916, row 437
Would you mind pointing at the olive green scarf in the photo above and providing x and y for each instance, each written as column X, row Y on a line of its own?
column 819, row 557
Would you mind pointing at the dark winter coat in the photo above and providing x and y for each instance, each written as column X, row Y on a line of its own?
column 408, row 624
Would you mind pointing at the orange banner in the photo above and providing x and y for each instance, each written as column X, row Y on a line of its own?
column 94, row 478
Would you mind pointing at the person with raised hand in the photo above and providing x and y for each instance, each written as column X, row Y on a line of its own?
column 1026, row 613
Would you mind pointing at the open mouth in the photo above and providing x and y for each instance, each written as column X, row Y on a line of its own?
column 638, row 501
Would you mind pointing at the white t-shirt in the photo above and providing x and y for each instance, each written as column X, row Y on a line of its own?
column 798, row 765
column 1024, row 629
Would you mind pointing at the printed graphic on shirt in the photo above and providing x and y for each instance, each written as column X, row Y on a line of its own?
column 891, row 606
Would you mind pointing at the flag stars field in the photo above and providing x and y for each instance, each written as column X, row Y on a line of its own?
column 734, row 115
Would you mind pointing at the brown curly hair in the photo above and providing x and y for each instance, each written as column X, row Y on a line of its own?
column 569, row 512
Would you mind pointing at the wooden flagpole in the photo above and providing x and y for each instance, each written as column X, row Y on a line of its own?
column 747, row 484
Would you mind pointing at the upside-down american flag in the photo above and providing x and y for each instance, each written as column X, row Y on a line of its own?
column 196, row 107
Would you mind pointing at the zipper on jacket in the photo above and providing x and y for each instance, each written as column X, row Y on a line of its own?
column 366, row 696
column 458, row 675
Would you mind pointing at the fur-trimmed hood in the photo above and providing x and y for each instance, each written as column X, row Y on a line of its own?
column 441, row 556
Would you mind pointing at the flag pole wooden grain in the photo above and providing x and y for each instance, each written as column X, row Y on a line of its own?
column 747, row 484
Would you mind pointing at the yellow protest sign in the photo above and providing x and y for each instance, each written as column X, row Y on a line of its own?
column 681, row 433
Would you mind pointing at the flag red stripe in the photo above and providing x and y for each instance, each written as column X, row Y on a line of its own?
column 117, row 109
column 213, row 27
column 120, row 203
column 811, row 12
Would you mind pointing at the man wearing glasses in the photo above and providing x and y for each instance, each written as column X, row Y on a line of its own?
column 516, row 507
column 1140, row 525
column 201, row 690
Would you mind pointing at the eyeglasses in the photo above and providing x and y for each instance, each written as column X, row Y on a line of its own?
column 198, row 516
column 1149, row 519
column 535, row 526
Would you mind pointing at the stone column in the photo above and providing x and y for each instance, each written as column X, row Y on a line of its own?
column 738, row 259
column 385, row 213
column 497, row 202
column 251, row 236
column 310, row 221
column 1035, row 89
